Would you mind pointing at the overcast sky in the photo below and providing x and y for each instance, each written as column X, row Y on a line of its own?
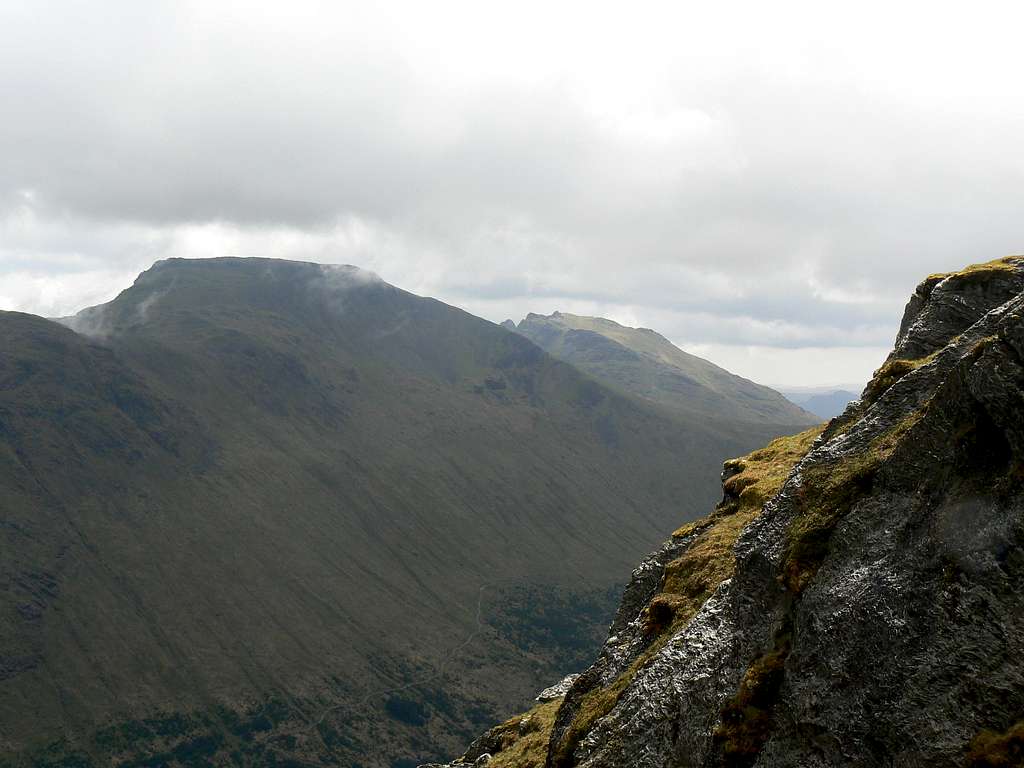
column 763, row 183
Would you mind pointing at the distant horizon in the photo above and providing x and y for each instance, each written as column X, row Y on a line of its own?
column 823, row 389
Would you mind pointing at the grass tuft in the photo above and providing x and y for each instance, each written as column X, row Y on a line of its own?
column 828, row 493
column 691, row 578
column 990, row 749
column 746, row 716
column 891, row 372
column 524, row 738
column 598, row 703
column 1004, row 264
column 760, row 475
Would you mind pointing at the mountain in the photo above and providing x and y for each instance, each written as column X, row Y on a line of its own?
column 824, row 403
column 259, row 512
column 646, row 364
column 854, row 599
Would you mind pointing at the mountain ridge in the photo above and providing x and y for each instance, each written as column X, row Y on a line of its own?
column 255, row 519
column 646, row 364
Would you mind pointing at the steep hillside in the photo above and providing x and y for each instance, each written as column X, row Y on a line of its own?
column 855, row 598
column 646, row 364
column 258, row 511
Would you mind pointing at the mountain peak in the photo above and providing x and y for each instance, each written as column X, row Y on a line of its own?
column 213, row 285
column 221, row 270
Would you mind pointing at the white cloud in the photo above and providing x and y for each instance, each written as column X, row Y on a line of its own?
column 839, row 367
column 773, row 176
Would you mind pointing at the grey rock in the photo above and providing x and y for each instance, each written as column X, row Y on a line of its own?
column 909, row 639
column 558, row 690
column 484, row 759
column 944, row 306
column 904, row 637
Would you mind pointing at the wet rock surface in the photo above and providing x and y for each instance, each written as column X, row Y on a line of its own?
column 558, row 690
column 899, row 636
column 875, row 615
column 876, row 612
column 945, row 305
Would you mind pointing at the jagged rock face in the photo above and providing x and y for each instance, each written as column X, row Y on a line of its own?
column 945, row 305
column 875, row 615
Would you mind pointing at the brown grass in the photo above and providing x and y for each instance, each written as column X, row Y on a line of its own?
column 762, row 473
column 692, row 577
column 827, row 493
column 746, row 717
column 990, row 749
column 525, row 745
column 891, row 372
column 599, row 702
column 1004, row 264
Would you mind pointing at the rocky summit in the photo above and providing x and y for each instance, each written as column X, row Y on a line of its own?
column 854, row 600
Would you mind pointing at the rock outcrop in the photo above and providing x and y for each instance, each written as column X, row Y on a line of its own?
column 558, row 690
column 855, row 600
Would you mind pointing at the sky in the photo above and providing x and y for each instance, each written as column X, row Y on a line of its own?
column 762, row 183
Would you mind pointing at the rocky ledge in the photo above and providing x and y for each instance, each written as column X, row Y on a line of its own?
column 855, row 600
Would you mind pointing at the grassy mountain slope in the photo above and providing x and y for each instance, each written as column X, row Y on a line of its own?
column 257, row 511
column 646, row 364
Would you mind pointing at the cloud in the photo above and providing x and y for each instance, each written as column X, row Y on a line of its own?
column 733, row 175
